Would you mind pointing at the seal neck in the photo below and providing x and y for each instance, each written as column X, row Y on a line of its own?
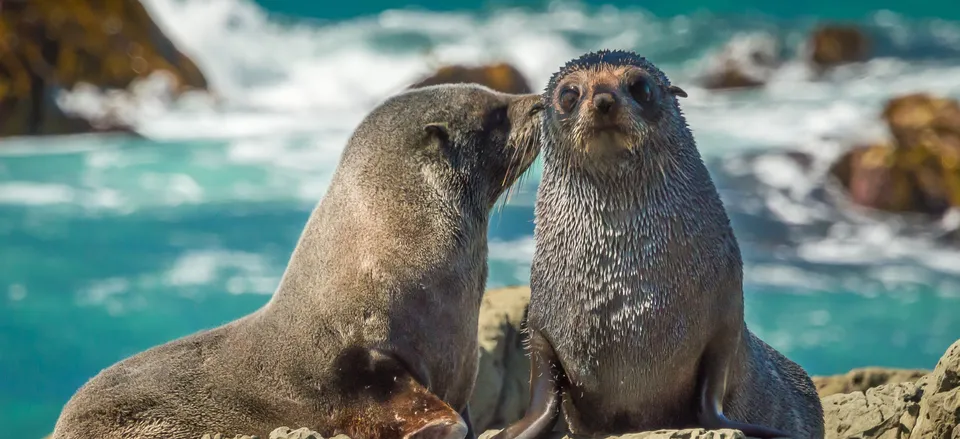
column 362, row 238
column 640, row 226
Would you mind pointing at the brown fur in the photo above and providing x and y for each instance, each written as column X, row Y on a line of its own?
column 373, row 329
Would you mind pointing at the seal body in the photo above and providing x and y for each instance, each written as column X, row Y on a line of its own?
column 372, row 331
column 636, row 281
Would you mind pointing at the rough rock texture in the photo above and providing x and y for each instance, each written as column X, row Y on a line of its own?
column 927, row 409
column 887, row 411
column 939, row 416
column 693, row 433
column 502, row 77
column 859, row 380
column 914, row 117
column 746, row 61
column 831, row 45
column 279, row 433
column 918, row 170
column 501, row 393
column 47, row 46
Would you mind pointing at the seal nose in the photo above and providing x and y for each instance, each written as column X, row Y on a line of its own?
column 604, row 102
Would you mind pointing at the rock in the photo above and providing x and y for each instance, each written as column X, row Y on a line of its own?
column 221, row 436
column 501, row 393
column 919, row 117
column 863, row 379
column 51, row 46
column 919, row 171
column 692, row 433
column 926, row 409
column 289, row 433
column 300, row 433
column 747, row 60
column 878, row 176
column 502, row 77
column 279, row 433
column 831, row 45
column 939, row 416
column 886, row 411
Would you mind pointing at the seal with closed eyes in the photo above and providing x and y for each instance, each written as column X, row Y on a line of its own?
column 372, row 332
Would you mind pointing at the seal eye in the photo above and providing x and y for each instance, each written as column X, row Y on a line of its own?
column 568, row 99
column 641, row 90
column 499, row 116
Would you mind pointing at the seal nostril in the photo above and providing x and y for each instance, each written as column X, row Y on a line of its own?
column 604, row 102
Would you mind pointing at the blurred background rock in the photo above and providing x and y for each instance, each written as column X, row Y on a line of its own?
column 158, row 160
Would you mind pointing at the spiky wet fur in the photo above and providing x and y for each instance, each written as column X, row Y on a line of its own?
column 636, row 272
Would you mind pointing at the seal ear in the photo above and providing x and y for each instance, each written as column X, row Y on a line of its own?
column 438, row 134
column 439, row 130
column 677, row 91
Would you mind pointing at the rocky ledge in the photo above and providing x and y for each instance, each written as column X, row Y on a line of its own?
column 926, row 409
column 859, row 380
column 865, row 403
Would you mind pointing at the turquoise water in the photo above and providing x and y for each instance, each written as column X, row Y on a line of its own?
column 111, row 245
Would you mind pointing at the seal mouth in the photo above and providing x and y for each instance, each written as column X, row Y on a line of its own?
column 605, row 138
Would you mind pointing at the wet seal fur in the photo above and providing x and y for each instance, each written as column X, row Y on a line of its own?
column 372, row 332
column 636, row 313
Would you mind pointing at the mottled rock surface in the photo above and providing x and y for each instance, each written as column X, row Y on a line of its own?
column 863, row 379
column 693, row 433
column 831, row 45
column 939, row 416
column 887, row 411
column 279, row 433
column 918, row 170
column 926, row 409
column 48, row 46
column 502, row 77
column 501, row 392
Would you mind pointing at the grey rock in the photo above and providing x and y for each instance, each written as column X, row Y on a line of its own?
column 222, row 436
column 887, row 411
column 501, row 391
column 692, row 433
column 864, row 378
column 300, row 433
column 939, row 416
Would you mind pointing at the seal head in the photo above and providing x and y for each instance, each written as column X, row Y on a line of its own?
column 611, row 104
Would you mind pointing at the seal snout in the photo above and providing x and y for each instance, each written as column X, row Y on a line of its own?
column 604, row 102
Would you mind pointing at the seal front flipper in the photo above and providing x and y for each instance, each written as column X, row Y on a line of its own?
column 712, row 386
column 384, row 400
column 465, row 414
column 544, row 407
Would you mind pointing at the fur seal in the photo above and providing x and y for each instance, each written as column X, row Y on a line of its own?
column 636, row 313
column 372, row 331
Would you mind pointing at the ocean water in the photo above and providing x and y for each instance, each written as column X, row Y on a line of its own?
column 110, row 245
